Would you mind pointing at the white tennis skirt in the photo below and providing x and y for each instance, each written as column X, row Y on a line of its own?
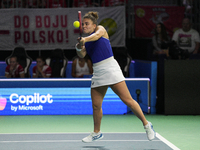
column 106, row 72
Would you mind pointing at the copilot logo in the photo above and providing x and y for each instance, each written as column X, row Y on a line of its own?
column 3, row 102
column 29, row 102
column 29, row 99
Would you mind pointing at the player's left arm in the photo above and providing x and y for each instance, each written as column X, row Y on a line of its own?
column 99, row 32
column 80, row 50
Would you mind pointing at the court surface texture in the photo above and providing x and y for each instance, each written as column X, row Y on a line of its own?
column 121, row 132
column 71, row 141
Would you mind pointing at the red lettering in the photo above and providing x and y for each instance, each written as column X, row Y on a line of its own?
column 63, row 21
column 50, row 37
column 26, row 37
column 59, row 36
column 47, row 21
column 17, row 21
column 26, row 21
column 38, row 21
column 42, row 35
column 17, row 36
column 33, row 37
column 56, row 25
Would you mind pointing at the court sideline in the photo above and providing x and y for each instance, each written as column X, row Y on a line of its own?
column 182, row 131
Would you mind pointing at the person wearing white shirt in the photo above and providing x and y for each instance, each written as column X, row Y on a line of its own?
column 187, row 38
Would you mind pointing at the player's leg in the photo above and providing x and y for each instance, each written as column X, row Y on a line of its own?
column 122, row 91
column 97, row 95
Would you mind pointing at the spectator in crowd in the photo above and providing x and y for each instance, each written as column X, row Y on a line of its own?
column 42, row 4
column 18, row 3
column 188, row 7
column 41, row 70
column 69, row 3
column 32, row 4
column 82, row 3
column 160, row 40
column 81, row 67
column 14, row 69
column 56, row 4
column 187, row 39
column 108, row 3
column 96, row 3
column 6, row 4
column 36, row 4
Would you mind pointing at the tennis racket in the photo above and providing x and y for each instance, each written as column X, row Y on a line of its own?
column 80, row 21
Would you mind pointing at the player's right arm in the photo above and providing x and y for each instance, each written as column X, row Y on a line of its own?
column 100, row 31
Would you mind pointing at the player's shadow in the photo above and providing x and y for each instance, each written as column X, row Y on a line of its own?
column 94, row 148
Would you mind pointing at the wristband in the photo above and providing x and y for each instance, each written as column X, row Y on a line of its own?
column 77, row 49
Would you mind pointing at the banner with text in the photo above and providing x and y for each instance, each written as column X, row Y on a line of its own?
column 46, row 29
column 146, row 18
column 55, row 101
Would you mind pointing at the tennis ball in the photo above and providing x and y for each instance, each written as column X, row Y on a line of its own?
column 76, row 24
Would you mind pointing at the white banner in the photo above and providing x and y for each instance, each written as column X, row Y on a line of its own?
column 46, row 29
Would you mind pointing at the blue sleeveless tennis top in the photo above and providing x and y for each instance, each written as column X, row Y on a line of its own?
column 99, row 50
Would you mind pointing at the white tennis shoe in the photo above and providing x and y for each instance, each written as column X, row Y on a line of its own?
column 151, row 134
column 93, row 137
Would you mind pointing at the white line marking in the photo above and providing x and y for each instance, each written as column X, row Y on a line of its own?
column 71, row 79
column 61, row 141
column 167, row 142
column 73, row 133
column 41, row 141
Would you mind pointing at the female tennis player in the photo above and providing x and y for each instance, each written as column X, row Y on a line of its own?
column 107, row 73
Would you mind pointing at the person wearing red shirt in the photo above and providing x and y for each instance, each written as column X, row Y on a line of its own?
column 14, row 69
column 41, row 70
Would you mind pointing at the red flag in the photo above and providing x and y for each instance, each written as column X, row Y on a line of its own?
column 146, row 18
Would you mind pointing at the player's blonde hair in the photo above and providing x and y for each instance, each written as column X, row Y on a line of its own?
column 92, row 15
